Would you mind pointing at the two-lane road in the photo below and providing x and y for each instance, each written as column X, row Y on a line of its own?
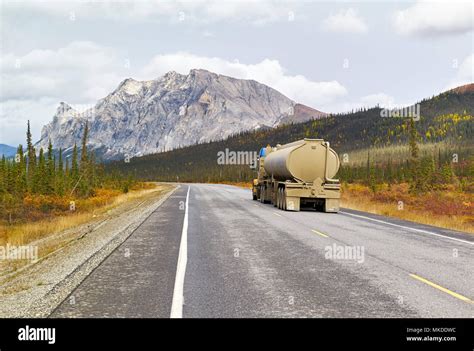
column 240, row 258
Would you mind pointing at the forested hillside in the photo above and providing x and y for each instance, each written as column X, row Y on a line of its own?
column 446, row 125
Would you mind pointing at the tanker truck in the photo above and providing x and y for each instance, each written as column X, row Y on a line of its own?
column 298, row 174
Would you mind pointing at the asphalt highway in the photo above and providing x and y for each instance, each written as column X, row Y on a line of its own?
column 211, row 251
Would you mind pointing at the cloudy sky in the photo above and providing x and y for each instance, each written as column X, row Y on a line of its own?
column 333, row 56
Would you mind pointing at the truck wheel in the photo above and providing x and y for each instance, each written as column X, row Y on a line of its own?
column 262, row 199
column 280, row 203
column 283, row 198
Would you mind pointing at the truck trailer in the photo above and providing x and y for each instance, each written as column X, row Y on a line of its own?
column 298, row 174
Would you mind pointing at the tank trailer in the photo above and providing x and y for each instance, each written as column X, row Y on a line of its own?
column 298, row 174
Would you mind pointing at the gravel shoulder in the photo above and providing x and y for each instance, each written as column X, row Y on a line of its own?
column 37, row 289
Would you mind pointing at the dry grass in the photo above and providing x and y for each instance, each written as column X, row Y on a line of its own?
column 444, row 208
column 90, row 210
column 53, row 233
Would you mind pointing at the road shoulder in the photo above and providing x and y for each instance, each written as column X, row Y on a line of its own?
column 37, row 290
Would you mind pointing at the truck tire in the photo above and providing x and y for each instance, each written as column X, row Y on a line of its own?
column 280, row 202
column 283, row 199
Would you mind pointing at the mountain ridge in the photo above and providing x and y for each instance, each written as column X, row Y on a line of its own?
column 7, row 150
column 174, row 110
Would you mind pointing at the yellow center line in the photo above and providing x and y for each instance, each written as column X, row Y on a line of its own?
column 436, row 286
column 319, row 233
column 277, row 214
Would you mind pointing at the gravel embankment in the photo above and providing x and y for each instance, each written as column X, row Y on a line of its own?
column 36, row 290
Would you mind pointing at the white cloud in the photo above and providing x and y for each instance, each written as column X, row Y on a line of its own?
column 15, row 113
column 258, row 12
column 269, row 72
column 430, row 18
column 345, row 21
column 83, row 72
column 464, row 73
column 80, row 72
column 208, row 34
column 33, row 84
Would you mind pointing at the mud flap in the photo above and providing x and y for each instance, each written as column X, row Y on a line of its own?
column 292, row 203
column 331, row 205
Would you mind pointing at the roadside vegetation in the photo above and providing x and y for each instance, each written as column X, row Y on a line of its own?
column 434, row 187
column 448, row 208
column 37, row 185
column 42, row 193
column 47, row 201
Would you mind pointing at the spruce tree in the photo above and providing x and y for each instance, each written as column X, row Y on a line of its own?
column 31, row 160
column 413, row 138
column 74, row 165
column 41, row 174
column 416, row 181
column 59, row 185
column 49, row 181
column 86, row 174
column 3, row 168
column 84, row 148
column 21, row 181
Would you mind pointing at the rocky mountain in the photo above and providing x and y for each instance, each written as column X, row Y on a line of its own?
column 175, row 110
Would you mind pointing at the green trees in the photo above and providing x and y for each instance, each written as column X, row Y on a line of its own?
column 32, row 176
column 59, row 184
column 20, row 172
column 86, row 167
column 31, row 160
column 416, row 182
column 74, row 176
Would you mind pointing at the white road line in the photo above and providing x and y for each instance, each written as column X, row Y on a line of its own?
column 178, row 292
column 409, row 228
column 320, row 233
